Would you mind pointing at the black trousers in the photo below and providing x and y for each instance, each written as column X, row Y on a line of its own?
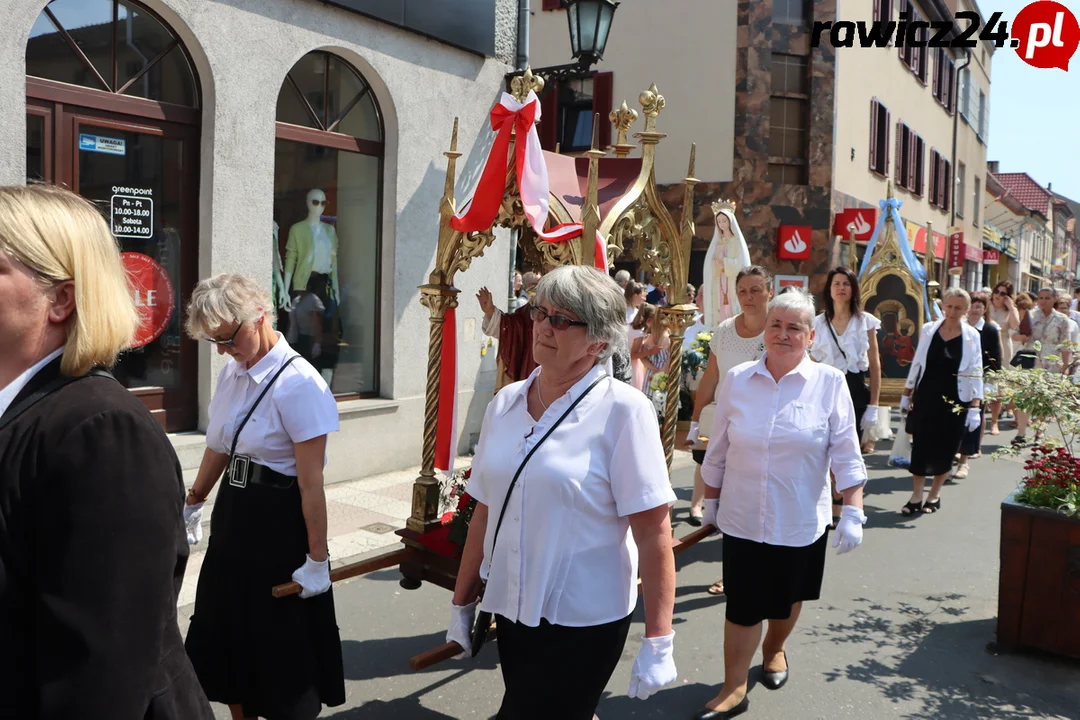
column 556, row 672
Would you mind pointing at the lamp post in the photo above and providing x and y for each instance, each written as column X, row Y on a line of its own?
column 589, row 24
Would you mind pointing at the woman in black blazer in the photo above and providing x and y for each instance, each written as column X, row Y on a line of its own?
column 978, row 317
column 92, row 544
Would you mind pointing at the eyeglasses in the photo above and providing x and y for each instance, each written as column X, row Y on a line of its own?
column 1001, row 293
column 231, row 342
column 557, row 322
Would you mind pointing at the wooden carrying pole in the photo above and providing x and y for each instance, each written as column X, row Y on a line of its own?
column 348, row 571
column 451, row 649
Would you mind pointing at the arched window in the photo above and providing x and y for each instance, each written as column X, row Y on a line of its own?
column 327, row 211
column 113, row 46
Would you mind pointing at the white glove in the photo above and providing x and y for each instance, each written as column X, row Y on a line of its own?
column 708, row 513
column 654, row 667
column 973, row 419
column 870, row 417
column 849, row 529
column 193, row 522
column 905, row 402
column 462, row 618
column 692, row 436
column 313, row 577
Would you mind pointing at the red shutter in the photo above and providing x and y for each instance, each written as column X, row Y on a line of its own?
column 900, row 159
column 948, row 185
column 603, row 84
column 913, row 160
column 549, row 117
column 938, row 66
column 551, row 4
column 885, row 144
column 873, row 134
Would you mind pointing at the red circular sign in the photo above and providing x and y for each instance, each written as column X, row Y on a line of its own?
column 153, row 296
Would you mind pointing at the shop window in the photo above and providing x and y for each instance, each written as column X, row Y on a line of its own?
column 568, row 111
column 112, row 46
column 327, row 214
column 879, row 138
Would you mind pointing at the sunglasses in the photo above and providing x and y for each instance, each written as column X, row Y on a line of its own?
column 557, row 322
column 231, row 342
column 1002, row 293
column 318, row 202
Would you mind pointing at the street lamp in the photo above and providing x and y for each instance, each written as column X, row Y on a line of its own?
column 590, row 23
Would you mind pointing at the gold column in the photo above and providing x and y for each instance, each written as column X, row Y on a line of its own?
column 590, row 214
column 928, row 256
column 679, row 317
column 853, row 252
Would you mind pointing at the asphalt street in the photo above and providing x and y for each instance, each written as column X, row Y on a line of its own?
column 901, row 630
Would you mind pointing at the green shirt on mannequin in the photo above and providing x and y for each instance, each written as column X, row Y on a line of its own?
column 300, row 255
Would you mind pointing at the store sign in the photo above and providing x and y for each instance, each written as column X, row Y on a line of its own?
column 956, row 251
column 786, row 281
column 862, row 220
column 153, row 293
column 100, row 144
column 794, row 242
column 132, row 212
column 991, row 257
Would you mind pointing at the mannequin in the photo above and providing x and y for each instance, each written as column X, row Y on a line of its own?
column 312, row 248
column 727, row 255
column 281, row 293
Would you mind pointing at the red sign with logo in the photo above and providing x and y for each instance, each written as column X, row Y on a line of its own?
column 864, row 221
column 794, row 242
column 956, row 250
column 153, row 293
column 991, row 257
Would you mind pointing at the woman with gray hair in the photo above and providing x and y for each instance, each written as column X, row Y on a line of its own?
column 781, row 423
column 570, row 465
column 269, row 419
column 945, row 376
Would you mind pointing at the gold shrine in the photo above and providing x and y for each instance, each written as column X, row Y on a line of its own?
column 895, row 296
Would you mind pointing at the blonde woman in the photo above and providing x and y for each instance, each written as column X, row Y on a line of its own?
column 92, row 548
column 269, row 419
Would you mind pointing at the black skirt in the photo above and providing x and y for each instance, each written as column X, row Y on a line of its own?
column 585, row 657
column 937, row 428
column 762, row 581
column 277, row 657
column 972, row 442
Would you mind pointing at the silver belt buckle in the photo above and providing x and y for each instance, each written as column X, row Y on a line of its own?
column 239, row 466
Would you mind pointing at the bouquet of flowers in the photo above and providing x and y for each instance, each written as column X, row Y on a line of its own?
column 658, row 392
column 452, row 495
column 697, row 357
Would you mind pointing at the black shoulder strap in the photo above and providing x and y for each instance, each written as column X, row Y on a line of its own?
column 828, row 324
column 236, row 437
column 43, row 392
column 513, row 482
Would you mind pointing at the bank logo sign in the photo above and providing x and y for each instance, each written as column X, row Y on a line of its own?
column 1045, row 33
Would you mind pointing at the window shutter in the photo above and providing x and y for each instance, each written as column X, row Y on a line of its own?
column 938, row 66
column 603, row 88
column 948, row 185
column 549, row 120
column 885, row 144
column 900, row 159
column 932, row 191
column 873, row 134
column 912, row 158
column 920, row 154
column 552, row 4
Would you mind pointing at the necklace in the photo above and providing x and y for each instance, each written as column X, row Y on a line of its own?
column 541, row 397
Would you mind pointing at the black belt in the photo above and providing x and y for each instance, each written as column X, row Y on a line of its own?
column 243, row 472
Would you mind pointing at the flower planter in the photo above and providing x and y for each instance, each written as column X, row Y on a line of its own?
column 1039, row 580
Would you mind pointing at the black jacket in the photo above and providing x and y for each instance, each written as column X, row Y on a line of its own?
column 92, row 555
column 990, row 336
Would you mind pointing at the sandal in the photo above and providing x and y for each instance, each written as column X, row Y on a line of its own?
column 911, row 508
column 1019, row 441
column 932, row 506
column 717, row 588
column 961, row 471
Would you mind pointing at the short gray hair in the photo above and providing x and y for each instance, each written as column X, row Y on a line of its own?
column 956, row 292
column 226, row 299
column 594, row 297
column 622, row 277
column 796, row 299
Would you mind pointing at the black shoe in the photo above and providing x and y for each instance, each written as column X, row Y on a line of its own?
column 775, row 680
column 695, row 521
column 725, row 714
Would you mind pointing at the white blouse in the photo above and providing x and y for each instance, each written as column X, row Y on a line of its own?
column 730, row 349
column 772, row 446
column 297, row 408
column 565, row 552
column 854, row 341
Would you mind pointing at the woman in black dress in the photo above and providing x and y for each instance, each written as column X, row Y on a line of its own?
column 945, row 375
column 275, row 658
column 978, row 317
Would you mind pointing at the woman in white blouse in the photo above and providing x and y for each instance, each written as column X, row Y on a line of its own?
column 269, row 418
column 560, row 546
column 781, row 423
column 846, row 338
column 1003, row 312
column 736, row 340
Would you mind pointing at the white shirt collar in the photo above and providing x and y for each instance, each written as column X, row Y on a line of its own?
column 12, row 390
column 980, row 325
column 269, row 362
column 805, row 368
column 522, row 391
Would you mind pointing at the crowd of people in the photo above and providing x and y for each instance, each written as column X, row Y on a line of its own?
column 569, row 475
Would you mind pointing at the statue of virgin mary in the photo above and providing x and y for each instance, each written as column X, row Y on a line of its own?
column 727, row 255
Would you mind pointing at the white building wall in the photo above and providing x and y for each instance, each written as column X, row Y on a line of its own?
column 242, row 50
